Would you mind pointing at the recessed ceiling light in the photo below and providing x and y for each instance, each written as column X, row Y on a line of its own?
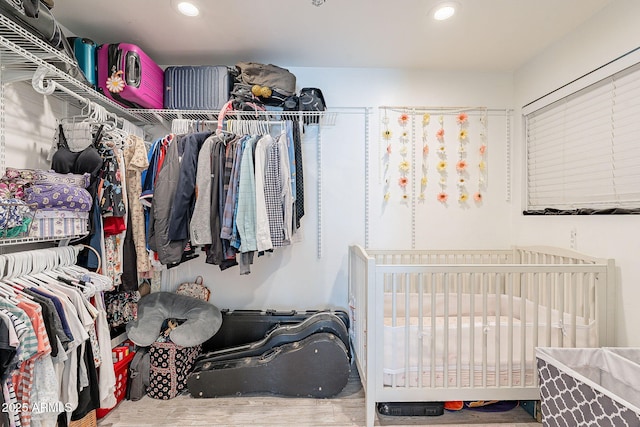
column 187, row 8
column 444, row 11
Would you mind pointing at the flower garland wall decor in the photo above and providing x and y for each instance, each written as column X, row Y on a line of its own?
column 426, row 118
column 404, row 166
column 386, row 157
column 412, row 158
column 482, row 163
column 442, row 162
column 461, row 165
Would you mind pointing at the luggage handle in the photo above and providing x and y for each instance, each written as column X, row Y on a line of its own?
column 133, row 68
column 272, row 312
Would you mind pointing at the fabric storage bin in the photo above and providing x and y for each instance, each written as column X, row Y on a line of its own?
column 59, row 223
column 121, row 368
column 589, row 387
column 170, row 367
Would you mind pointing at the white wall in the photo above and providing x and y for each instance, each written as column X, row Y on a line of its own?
column 605, row 37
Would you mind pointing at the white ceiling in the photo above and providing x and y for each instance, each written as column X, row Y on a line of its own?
column 484, row 35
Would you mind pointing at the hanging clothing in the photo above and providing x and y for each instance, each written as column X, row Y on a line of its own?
column 184, row 199
column 136, row 162
column 263, row 234
column 165, row 186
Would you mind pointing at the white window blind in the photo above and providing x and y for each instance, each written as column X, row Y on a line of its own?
column 583, row 151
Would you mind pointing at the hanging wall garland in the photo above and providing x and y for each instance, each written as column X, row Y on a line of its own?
column 454, row 131
column 461, row 165
column 426, row 118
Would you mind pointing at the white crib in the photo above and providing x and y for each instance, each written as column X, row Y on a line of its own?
column 463, row 325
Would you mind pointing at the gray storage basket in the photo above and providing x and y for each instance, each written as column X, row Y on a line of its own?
column 589, row 386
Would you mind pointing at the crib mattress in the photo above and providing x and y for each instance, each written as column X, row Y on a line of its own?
column 491, row 347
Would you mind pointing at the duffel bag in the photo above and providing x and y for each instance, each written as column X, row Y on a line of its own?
column 267, row 75
column 38, row 20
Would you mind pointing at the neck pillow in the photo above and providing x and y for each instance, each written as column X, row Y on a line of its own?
column 201, row 319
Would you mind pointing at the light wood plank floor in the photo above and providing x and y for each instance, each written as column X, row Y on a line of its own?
column 344, row 410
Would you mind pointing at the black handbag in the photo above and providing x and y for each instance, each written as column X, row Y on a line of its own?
column 311, row 99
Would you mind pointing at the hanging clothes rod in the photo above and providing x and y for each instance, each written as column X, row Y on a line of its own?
column 45, row 86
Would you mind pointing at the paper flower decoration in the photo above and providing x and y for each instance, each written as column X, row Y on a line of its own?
column 115, row 84
column 387, row 134
column 442, row 197
column 463, row 197
column 389, row 149
column 423, row 181
column 387, row 196
column 461, row 166
column 442, row 165
column 403, row 119
column 404, row 166
column 425, row 119
column 462, row 135
column 461, row 182
column 440, row 134
column 483, row 149
column 404, row 150
column 402, row 182
column 425, row 150
column 482, row 165
column 405, row 196
column 477, row 197
column 462, row 118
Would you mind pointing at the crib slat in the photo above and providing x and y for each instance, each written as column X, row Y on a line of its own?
column 509, row 284
column 458, row 286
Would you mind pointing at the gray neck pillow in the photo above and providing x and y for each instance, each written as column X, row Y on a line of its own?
column 203, row 319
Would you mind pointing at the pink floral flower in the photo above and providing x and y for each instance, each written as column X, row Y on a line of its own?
column 440, row 134
column 425, row 149
column 462, row 118
column 461, row 166
column 483, row 149
column 402, row 182
column 389, row 149
column 477, row 197
column 442, row 197
column 403, row 119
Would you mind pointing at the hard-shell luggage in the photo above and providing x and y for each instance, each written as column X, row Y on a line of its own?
column 129, row 76
column 247, row 326
column 85, row 51
column 204, row 87
column 317, row 366
column 283, row 334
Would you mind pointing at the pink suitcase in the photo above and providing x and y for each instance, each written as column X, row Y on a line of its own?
column 129, row 77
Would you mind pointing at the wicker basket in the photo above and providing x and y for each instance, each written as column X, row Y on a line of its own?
column 88, row 420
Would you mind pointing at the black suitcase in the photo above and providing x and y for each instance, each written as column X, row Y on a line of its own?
column 283, row 334
column 317, row 366
column 204, row 87
column 246, row 326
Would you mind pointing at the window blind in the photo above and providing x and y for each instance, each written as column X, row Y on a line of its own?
column 583, row 151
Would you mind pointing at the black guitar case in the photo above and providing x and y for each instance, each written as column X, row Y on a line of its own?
column 246, row 326
column 317, row 366
column 284, row 334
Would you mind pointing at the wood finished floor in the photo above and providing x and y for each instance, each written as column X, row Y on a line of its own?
column 344, row 410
